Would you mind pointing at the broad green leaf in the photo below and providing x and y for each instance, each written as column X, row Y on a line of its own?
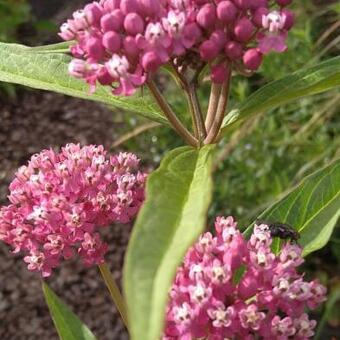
column 312, row 208
column 174, row 214
column 308, row 81
column 46, row 69
column 68, row 325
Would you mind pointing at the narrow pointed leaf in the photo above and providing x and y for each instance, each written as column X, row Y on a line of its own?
column 45, row 68
column 305, row 82
column 173, row 216
column 68, row 325
column 312, row 208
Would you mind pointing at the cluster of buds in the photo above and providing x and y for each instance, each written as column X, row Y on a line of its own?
column 119, row 43
column 59, row 201
column 230, row 288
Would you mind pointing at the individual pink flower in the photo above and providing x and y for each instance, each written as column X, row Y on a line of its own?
column 59, row 201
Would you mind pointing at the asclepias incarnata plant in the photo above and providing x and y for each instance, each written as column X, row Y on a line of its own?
column 179, row 283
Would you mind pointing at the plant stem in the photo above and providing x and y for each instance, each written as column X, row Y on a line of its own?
column 196, row 112
column 170, row 115
column 212, row 107
column 221, row 107
column 114, row 292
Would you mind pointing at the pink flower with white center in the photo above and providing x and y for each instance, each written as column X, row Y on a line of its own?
column 205, row 243
column 65, row 198
column 260, row 237
column 273, row 21
column 196, row 272
column 304, row 327
column 220, row 315
column 282, row 328
column 182, row 314
column 319, row 294
column 220, row 273
column 275, row 36
column 180, row 4
column 300, row 290
column 199, row 293
column 262, row 258
column 291, row 256
column 118, row 67
column 251, row 317
column 174, row 23
column 226, row 288
column 281, row 284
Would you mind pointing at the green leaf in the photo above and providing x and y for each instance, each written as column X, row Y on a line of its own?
column 174, row 214
column 312, row 208
column 68, row 325
column 46, row 69
column 308, row 81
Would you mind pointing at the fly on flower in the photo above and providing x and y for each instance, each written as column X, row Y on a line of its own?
column 281, row 230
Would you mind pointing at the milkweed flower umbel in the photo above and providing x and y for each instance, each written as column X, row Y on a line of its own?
column 119, row 43
column 60, row 201
column 231, row 288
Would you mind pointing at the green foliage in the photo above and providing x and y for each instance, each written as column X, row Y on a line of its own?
column 309, row 81
column 68, row 325
column 12, row 13
column 177, row 198
column 47, row 70
column 312, row 208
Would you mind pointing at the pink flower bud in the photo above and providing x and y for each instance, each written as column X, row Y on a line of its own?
column 258, row 16
column 77, row 68
column 226, row 11
column 112, row 41
column 219, row 74
column 66, row 32
column 128, row 6
column 93, row 13
column 244, row 30
column 208, row 50
column 252, row 59
column 219, row 37
column 130, row 46
column 192, row 32
column 206, row 17
column 110, row 5
column 94, row 48
column 112, row 21
column 289, row 19
column 151, row 61
column 243, row 4
column 149, row 7
column 233, row 50
column 133, row 24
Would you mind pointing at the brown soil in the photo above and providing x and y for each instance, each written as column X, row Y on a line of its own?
column 36, row 121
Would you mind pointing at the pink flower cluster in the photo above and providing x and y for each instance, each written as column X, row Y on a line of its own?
column 120, row 42
column 59, row 201
column 230, row 288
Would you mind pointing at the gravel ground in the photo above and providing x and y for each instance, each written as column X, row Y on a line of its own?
column 36, row 121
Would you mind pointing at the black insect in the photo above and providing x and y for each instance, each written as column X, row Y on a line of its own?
column 281, row 230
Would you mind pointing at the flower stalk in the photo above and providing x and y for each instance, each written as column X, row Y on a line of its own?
column 170, row 115
column 114, row 292
column 220, row 112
